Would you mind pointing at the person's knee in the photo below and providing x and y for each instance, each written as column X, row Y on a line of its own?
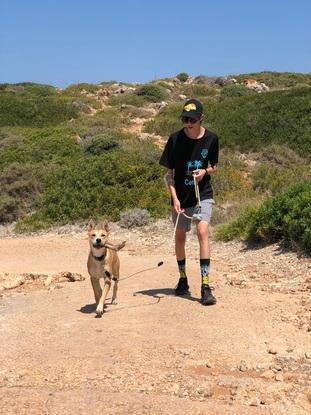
column 202, row 230
column 180, row 236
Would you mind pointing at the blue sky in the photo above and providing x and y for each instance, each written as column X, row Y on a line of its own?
column 70, row 41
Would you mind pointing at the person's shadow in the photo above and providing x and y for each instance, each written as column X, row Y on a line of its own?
column 164, row 292
column 156, row 293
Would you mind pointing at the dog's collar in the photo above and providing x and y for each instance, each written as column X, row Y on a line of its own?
column 99, row 258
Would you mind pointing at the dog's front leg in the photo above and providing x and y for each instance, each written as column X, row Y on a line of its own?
column 101, row 303
column 115, row 291
column 97, row 289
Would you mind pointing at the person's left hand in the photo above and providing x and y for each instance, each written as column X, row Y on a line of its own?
column 198, row 174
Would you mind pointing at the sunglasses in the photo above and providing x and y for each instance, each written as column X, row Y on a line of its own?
column 187, row 120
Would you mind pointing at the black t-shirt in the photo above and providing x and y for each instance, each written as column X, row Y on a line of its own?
column 184, row 154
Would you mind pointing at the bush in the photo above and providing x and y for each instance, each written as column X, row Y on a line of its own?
column 285, row 218
column 152, row 93
column 230, row 91
column 167, row 121
column 134, row 218
column 100, row 143
column 76, row 187
column 127, row 99
column 75, row 89
column 183, row 77
column 252, row 122
column 29, row 89
column 34, row 111
column 229, row 184
column 238, row 227
column 199, row 91
column 277, row 80
column 273, row 179
column 19, row 190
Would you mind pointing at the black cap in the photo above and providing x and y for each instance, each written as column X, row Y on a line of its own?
column 193, row 108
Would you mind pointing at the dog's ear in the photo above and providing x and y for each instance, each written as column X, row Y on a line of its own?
column 91, row 225
column 104, row 225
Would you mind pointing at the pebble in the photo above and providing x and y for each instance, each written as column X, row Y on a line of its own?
column 279, row 377
column 243, row 367
column 254, row 402
column 272, row 350
column 268, row 374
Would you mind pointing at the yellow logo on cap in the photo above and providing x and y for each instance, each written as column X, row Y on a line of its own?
column 190, row 107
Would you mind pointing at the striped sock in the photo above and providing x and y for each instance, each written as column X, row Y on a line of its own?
column 205, row 269
column 182, row 268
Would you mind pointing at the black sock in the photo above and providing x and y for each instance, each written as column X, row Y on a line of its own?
column 182, row 268
column 205, row 268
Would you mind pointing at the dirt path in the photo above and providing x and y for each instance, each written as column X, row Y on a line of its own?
column 155, row 353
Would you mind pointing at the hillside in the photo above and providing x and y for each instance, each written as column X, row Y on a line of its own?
column 92, row 150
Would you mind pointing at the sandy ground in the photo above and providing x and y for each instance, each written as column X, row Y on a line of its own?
column 154, row 353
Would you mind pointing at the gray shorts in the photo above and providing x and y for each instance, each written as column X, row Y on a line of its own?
column 205, row 214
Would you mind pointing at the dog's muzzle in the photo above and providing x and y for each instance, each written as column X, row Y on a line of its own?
column 98, row 244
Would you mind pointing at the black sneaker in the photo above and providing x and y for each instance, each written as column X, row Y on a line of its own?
column 207, row 297
column 182, row 287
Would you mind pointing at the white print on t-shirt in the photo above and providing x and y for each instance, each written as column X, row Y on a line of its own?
column 190, row 166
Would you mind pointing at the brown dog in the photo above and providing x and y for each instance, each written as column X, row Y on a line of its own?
column 103, row 262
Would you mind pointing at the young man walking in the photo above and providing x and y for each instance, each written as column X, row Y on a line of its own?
column 191, row 155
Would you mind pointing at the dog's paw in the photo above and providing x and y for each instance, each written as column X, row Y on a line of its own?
column 114, row 301
column 99, row 310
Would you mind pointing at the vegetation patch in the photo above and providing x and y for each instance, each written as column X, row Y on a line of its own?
column 285, row 218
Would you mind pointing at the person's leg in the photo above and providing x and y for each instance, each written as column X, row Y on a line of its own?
column 202, row 231
column 180, row 242
column 183, row 226
column 207, row 297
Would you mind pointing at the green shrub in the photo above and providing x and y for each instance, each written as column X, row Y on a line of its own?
column 167, row 121
column 285, row 218
column 199, row 91
column 19, row 190
column 273, row 179
column 182, row 76
column 229, row 184
column 101, row 143
column 75, row 89
column 277, row 80
column 34, row 111
column 237, row 90
column 99, row 184
column 238, row 227
column 44, row 146
column 152, row 93
column 281, row 155
column 29, row 89
column 252, row 122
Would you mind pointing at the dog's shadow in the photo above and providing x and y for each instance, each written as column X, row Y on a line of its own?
column 89, row 308
column 164, row 292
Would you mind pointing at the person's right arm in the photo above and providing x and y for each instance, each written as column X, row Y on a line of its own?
column 169, row 180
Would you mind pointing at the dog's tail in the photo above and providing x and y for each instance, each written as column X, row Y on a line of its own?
column 115, row 247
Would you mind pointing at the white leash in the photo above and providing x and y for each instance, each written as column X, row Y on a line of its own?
column 197, row 193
